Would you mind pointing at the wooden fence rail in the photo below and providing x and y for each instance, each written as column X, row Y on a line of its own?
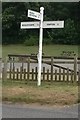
column 61, row 74
column 23, row 74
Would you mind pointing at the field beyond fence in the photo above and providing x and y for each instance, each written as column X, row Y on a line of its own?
column 25, row 67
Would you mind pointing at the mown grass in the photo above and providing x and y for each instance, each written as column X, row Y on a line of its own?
column 54, row 50
column 55, row 93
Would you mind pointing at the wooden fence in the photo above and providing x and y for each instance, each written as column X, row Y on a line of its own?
column 27, row 73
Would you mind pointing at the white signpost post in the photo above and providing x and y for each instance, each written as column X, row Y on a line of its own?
column 41, row 24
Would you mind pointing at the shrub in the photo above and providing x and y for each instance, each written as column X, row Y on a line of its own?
column 33, row 40
column 47, row 41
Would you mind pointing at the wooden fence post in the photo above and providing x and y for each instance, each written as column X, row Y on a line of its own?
column 75, row 68
column 3, row 74
column 56, row 75
column 72, row 73
column 21, row 70
column 11, row 67
column 17, row 74
column 63, row 74
column 5, row 70
column 67, row 74
column 24, row 74
column 47, row 74
column 43, row 73
column 22, row 63
column 79, row 77
column 10, row 61
column 13, row 63
column 60, row 74
column 32, row 74
column 36, row 72
column 28, row 68
column 13, row 73
column 51, row 68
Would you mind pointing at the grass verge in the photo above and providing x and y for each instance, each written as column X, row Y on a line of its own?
column 55, row 93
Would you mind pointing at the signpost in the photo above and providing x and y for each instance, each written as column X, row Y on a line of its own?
column 29, row 25
column 41, row 24
column 40, row 46
column 46, row 24
column 53, row 24
column 34, row 14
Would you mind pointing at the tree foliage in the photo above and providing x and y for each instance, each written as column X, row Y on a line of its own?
column 13, row 13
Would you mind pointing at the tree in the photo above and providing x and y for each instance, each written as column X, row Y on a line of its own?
column 68, row 35
column 11, row 17
column 70, row 32
column 14, row 13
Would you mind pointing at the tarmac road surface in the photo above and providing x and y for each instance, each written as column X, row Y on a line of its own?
column 28, row 111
